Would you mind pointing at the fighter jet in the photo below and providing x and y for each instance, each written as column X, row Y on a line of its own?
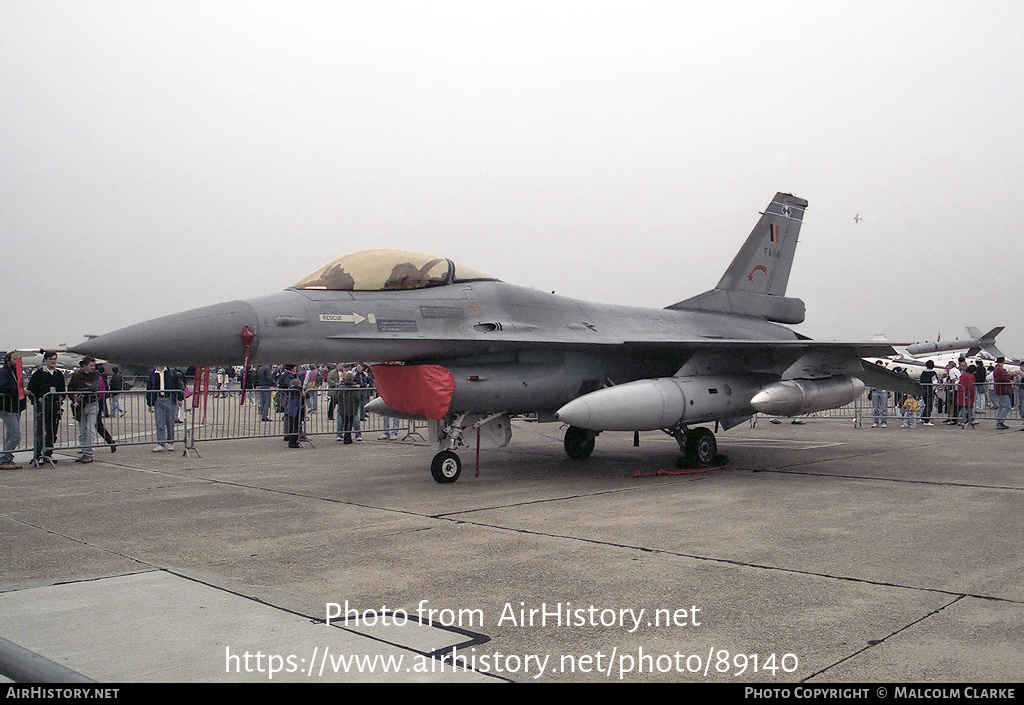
column 466, row 351
column 974, row 345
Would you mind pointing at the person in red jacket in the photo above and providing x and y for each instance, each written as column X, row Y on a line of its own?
column 965, row 393
column 1002, row 389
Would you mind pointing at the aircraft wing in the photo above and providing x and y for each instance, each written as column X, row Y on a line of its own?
column 801, row 358
column 858, row 349
column 454, row 347
column 794, row 358
column 880, row 378
column 806, row 358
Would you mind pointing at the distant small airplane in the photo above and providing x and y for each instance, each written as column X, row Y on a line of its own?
column 857, row 218
column 475, row 350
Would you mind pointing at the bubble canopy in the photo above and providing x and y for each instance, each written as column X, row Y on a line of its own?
column 388, row 270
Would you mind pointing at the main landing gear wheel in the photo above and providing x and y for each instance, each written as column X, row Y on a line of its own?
column 579, row 442
column 701, row 446
column 446, row 467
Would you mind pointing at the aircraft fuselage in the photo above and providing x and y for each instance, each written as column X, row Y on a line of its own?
column 510, row 348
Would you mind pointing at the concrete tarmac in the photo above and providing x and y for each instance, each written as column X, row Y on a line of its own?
column 819, row 553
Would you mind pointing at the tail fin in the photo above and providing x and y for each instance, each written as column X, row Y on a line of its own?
column 755, row 283
column 988, row 341
column 763, row 263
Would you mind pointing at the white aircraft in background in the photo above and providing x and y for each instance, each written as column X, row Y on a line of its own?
column 33, row 357
column 914, row 358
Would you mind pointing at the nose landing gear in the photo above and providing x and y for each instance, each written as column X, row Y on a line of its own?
column 446, row 467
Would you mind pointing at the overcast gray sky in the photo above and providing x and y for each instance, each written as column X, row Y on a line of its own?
column 163, row 155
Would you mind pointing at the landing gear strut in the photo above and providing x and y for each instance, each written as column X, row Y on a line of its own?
column 579, row 442
column 491, row 430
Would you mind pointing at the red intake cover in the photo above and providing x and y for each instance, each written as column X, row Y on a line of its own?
column 420, row 390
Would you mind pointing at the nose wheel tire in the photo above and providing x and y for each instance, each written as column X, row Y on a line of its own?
column 446, row 467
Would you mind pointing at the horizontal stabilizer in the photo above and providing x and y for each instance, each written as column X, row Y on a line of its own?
column 988, row 342
column 991, row 335
column 993, row 351
column 778, row 309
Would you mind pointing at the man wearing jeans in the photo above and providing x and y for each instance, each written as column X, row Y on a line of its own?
column 86, row 383
column 165, row 391
column 264, row 381
column 12, row 403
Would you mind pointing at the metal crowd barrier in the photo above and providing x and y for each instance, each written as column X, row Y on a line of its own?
column 222, row 416
column 124, row 419
column 944, row 408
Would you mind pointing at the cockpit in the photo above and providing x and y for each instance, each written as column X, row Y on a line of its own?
column 388, row 270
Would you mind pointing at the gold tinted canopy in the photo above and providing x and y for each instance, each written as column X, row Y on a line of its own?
column 388, row 270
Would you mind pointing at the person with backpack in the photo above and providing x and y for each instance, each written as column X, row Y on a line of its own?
column 349, row 404
column 294, row 406
column 928, row 380
column 310, row 386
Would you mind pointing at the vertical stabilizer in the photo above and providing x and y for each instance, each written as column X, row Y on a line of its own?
column 763, row 264
column 755, row 283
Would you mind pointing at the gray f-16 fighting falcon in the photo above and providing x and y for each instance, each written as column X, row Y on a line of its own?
column 475, row 350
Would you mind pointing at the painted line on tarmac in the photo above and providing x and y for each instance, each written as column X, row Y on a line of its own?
column 790, row 443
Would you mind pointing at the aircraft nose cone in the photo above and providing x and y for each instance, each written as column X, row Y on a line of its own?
column 208, row 335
